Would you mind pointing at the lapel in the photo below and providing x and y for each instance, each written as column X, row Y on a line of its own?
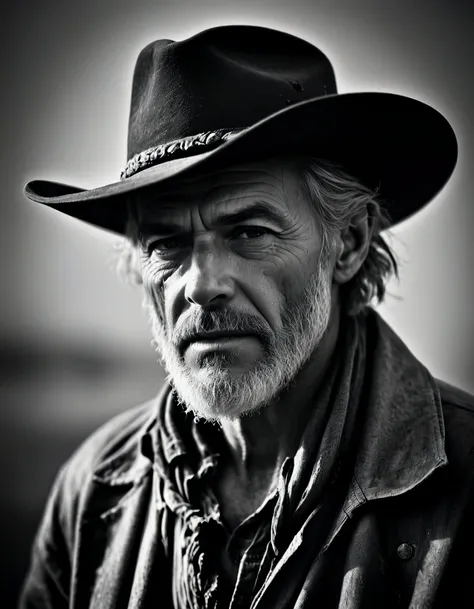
column 403, row 439
column 401, row 443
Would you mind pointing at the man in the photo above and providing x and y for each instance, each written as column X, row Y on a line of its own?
column 300, row 455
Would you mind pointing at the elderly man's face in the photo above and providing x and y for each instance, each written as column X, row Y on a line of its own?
column 238, row 290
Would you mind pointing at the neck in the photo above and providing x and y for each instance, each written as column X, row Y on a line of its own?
column 258, row 444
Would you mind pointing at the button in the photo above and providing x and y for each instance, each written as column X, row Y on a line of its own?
column 405, row 551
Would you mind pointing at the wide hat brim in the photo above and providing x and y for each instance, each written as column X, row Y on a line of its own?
column 397, row 144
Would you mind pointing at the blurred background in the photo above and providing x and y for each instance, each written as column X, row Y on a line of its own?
column 74, row 344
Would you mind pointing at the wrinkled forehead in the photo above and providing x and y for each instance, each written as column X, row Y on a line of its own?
column 277, row 182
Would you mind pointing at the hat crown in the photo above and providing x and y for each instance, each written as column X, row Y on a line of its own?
column 224, row 77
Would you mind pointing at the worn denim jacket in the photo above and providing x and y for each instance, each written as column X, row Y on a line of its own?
column 403, row 535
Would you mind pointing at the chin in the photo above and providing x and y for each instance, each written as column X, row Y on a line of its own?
column 220, row 394
column 219, row 415
column 203, row 409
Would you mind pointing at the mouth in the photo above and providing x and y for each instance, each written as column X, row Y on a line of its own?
column 214, row 337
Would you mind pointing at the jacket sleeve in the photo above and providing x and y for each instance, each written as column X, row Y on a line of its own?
column 47, row 583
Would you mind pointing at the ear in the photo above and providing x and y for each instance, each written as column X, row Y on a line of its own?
column 353, row 246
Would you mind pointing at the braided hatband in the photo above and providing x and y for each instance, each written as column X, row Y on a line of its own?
column 186, row 146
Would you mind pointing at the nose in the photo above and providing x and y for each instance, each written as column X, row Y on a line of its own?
column 209, row 280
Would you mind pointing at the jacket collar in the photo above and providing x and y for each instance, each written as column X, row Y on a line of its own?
column 402, row 440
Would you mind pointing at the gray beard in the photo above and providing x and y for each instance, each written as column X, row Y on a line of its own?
column 215, row 393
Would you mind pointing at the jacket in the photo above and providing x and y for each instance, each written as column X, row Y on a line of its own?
column 403, row 538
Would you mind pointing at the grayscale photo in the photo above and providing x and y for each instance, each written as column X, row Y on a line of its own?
column 236, row 330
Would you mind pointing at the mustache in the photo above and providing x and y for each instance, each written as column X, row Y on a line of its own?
column 226, row 321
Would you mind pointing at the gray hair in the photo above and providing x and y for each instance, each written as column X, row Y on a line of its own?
column 337, row 198
column 127, row 258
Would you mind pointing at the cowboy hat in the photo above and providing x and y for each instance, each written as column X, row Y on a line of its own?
column 240, row 93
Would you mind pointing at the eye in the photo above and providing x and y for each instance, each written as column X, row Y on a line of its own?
column 168, row 245
column 250, row 232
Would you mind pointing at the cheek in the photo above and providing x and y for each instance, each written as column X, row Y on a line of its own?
column 262, row 289
column 281, row 278
column 290, row 280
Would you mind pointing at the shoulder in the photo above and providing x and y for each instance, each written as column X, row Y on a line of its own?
column 111, row 454
column 453, row 397
column 458, row 414
column 114, row 434
column 118, row 437
column 457, row 405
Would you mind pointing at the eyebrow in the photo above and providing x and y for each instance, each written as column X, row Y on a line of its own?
column 259, row 209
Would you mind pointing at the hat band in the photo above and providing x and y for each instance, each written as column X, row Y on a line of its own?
column 186, row 146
